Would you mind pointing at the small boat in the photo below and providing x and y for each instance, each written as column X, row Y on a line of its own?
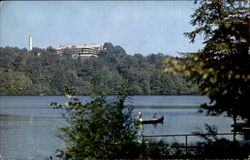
column 153, row 121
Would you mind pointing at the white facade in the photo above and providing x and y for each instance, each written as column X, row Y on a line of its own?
column 81, row 50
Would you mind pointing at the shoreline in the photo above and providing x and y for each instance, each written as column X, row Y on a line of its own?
column 164, row 107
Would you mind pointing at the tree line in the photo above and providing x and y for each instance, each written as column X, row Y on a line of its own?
column 43, row 72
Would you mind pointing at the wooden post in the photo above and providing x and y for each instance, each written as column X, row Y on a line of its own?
column 186, row 143
column 235, row 121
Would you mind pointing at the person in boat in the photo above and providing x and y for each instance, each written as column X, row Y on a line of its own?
column 140, row 117
column 140, row 128
column 154, row 116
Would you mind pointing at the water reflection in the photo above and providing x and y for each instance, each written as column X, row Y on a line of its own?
column 29, row 137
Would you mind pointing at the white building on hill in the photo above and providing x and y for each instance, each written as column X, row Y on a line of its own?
column 85, row 50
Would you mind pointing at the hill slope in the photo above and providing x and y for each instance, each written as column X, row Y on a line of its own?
column 41, row 71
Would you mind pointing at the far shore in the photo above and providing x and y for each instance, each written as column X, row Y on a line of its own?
column 164, row 107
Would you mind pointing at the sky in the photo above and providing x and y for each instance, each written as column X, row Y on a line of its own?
column 138, row 26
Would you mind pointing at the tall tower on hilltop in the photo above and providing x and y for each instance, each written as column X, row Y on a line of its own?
column 30, row 43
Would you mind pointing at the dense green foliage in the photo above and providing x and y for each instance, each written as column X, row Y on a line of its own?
column 43, row 72
column 221, row 68
column 98, row 129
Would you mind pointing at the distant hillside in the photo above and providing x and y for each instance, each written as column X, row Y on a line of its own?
column 43, row 72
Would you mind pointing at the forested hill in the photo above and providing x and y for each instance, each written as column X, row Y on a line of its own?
column 43, row 72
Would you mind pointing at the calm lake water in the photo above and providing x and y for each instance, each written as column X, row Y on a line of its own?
column 29, row 126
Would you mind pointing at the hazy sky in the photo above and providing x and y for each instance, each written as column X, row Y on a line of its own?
column 138, row 26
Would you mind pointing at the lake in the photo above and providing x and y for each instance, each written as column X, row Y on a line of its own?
column 29, row 126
